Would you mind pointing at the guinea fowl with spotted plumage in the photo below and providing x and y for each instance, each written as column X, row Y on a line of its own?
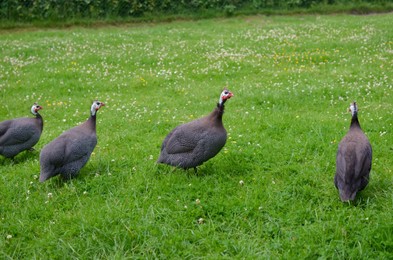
column 20, row 134
column 353, row 161
column 190, row 145
column 69, row 152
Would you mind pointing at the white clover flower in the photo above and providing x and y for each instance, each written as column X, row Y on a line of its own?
column 241, row 182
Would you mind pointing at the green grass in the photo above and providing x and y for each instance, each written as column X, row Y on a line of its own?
column 293, row 78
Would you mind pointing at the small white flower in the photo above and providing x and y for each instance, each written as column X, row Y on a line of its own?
column 50, row 195
column 241, row 182
column 9, row 236
column 85, row 192
column 201, row 221
column 197, row 201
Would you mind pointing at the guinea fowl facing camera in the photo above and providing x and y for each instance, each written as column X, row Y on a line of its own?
column 20, row 134
column 353, row 162
column 191, row 144
column 69, row 152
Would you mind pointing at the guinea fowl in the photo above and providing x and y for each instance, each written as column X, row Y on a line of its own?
column 353, row 162
column 69, row 152
column 190, row 145
column 20, row 134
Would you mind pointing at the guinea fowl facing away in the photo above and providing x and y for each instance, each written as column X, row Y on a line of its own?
column 20, row 134
column 353, row 162
column 69, row 152
column 191, row 144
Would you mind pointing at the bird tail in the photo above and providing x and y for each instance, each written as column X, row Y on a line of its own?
column 47, row 172
column 346, row 195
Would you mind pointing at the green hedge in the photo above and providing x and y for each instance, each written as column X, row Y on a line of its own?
column 60, row 10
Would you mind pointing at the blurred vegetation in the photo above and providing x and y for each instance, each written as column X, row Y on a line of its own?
column 74, row 11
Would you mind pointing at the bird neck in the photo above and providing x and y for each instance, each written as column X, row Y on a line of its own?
column 219, row 111
column 355, row 121
column 92, row 121
column 40, row 120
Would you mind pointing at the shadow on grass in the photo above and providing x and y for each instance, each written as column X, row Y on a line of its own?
column 162, row 169
column 362, row 200
column 58, row 181
column 204, row 170
column 20, row 158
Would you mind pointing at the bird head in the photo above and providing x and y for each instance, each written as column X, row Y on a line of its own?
column 225, row 95
column 35, row 108
column 96, row 106
column 353, row 108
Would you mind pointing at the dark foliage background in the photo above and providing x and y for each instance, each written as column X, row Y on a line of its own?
column 61, row 10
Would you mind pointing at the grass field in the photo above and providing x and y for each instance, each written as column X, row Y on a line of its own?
column 293, row 78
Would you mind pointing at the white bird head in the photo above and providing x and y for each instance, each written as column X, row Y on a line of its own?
column 96, row 106
column 225, row 95
column 353, row 108
column 35, row 108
